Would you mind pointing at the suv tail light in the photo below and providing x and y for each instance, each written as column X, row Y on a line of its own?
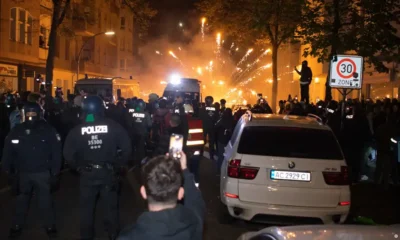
column 337, row 178
column 237, row 171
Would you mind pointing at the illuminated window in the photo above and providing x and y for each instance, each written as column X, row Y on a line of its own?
column 21, row 26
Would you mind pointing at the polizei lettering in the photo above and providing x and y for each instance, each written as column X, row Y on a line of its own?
column 210, row 108
column 94, row 129
column 138, row 115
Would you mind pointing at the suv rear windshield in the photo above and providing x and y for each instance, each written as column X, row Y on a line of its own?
column 289, row 142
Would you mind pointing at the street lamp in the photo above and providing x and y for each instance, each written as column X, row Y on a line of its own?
column 78, row 60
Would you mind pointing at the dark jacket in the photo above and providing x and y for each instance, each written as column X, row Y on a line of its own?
column 100, row 142
column 184, row 222
column 33, row 148
column 163, row 144
column 224, row 128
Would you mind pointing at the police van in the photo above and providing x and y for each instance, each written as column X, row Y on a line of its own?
column 111, row 89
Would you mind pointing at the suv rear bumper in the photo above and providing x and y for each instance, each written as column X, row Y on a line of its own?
column 249, row 210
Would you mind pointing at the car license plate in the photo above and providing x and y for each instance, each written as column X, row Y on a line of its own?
column 291, row 176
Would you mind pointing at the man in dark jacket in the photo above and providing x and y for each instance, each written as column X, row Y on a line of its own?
column 166, row 219
column 176, row 128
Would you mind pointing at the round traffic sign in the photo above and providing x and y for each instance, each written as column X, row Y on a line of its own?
column 346, row 68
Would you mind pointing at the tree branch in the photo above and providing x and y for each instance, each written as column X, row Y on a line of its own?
column 64, row 12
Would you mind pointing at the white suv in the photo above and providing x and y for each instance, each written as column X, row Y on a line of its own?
column 280, row 169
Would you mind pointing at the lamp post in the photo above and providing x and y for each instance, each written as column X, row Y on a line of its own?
column 78, row 60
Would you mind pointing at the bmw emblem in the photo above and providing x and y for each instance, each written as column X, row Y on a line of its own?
column 291, row 165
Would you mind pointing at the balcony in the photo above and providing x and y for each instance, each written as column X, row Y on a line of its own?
column 43, row 52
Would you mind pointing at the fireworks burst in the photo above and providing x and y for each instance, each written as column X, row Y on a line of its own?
column 245, row 56
column 173, row 55
column 203, row 22
column 230, row 49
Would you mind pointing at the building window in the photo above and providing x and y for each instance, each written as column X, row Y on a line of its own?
column 44, row 37
column 99, row 20
column 21, row 26
column 122, row 44
column 67, row 47
column 122, row 22
column 122, row 65
column 98, row 55
column 105, row 57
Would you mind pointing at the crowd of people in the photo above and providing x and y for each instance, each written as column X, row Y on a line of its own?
column 42, row 134
column 99, row 140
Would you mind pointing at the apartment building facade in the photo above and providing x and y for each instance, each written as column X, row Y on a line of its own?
column 24, row 32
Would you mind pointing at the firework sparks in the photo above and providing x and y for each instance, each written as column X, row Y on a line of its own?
column 245, row 56
column 173, row 54
column 203, row 22
column 218, row 40
column 199, row 71
column 250, row 66
column 158, row 52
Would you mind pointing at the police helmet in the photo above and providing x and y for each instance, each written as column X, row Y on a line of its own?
column 31, row 112
column 93, row 105
column 141, row 105
column 222, row 101
column 209, row 100
column 162, row 103
column 10, row 100
column 332, row 105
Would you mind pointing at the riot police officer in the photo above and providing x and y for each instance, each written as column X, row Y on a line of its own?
column 223, row 105
column 98, row 148
column 209, row 116
column 139, row 124
column 32, row 153
column 178, row 107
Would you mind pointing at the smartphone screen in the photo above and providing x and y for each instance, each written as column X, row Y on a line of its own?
column 175, row 146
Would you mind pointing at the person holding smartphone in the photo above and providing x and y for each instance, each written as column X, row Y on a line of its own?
column 165, row 182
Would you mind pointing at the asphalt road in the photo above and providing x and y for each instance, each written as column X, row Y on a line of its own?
column 367, row 200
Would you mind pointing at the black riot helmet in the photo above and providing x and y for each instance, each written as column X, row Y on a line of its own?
column 93, row 105
column 32, row 112
column 10, row 101
column 332, row 106
column 140, row 106
column 209, row 100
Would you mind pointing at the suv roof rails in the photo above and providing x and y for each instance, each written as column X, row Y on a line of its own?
column 313, row 116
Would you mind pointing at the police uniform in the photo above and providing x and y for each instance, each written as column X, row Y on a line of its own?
column 97, row 148
column 139, row 124
column 209, row 116
column 180, row 109
column 33, row 152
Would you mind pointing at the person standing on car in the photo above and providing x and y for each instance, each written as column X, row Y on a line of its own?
column 97, row 148
column 305, row 81
column 32, row 153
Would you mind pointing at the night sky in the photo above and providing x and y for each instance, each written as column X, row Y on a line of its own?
column 170, row 13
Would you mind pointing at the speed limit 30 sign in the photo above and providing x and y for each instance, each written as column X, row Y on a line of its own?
column 346, row 72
